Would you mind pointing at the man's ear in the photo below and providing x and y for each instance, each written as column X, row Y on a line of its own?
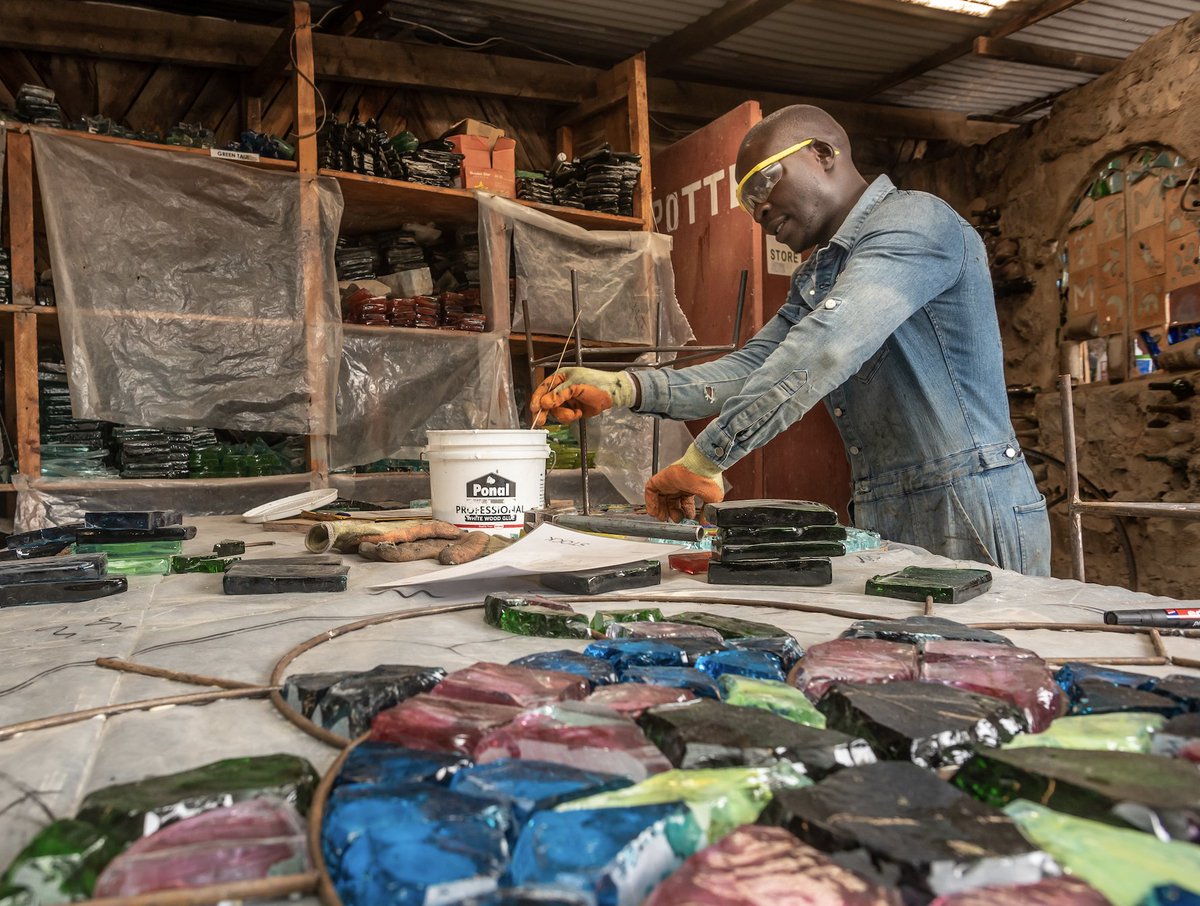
column 825, row 153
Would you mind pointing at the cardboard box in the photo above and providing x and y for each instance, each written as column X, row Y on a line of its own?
column 476, row 128
column 490, row 166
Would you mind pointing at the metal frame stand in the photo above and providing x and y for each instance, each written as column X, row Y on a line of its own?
column 1077, row 508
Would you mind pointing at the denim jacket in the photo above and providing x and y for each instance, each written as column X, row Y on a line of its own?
column 893, row 325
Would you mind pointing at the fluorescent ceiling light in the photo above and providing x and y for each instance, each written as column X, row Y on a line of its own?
column 969, row 7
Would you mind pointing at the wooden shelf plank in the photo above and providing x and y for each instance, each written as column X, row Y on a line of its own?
column 265, row 163
column 374, row 204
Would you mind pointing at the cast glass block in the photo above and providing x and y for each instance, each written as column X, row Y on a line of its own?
column 1024, row 682
column 855, row 661
column 640, row 574
column 699, row 684
column 791, row 513
column 756, row 664
column 633, row 699
column 596, row 671
column 767, row 695
column 808, row 572
column 602, row 619
column 527, row 786
column 505, row 684
column 757, row 865
column 945, row 586
column 931, row 725
column 917, row 831
column 1121, row 732
column 439, row 724
column 721, row 799
column 1125, row 865
column 1158, row 795
column 918, row 630
column 709, row 734
column 382, row 764
column 617, row 856
column 349, row 705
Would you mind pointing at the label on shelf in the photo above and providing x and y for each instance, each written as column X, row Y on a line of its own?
column 226, row 154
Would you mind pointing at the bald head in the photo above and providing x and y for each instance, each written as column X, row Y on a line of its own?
column 810, row 185
column 789, row 125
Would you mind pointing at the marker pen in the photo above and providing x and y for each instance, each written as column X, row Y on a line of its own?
column 1179, row 618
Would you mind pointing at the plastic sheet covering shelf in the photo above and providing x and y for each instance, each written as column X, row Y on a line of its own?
column 395, row 384
column 181, row 284
column 624, row 277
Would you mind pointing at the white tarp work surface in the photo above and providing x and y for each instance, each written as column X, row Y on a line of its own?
column 185, row 623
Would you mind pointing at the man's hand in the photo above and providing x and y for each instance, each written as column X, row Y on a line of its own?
column 671, row 493
column 573, row 393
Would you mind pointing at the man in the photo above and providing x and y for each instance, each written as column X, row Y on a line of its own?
column 891, row 321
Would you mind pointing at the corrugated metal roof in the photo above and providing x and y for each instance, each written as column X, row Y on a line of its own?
column 838, row 49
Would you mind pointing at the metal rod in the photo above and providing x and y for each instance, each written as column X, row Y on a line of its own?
column 641, row 528
column 1130, row 508
column 195, row 679
column 656, row 421
column 741, row 305
column 1072, row 470
column 230, row 892
column 146, row 704
column 316, row 822
column 929, row 605
column 583, row 437
column 529, row 357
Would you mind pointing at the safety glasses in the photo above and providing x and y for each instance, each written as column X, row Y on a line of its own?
column 756, row 185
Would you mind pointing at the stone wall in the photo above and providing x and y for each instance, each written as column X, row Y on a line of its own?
column 1032, row 176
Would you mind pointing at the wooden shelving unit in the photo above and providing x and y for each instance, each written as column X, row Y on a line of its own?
column 618, row 114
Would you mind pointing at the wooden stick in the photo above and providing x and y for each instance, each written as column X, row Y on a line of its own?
column 1160, row 647
column 1112, row 661
column 929, row 605
column 260, row 888
column 145, row 704
column 281, row 665
column 195, row 679
column 316, row 818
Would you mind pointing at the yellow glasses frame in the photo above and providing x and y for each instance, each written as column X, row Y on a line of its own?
column 761, row 166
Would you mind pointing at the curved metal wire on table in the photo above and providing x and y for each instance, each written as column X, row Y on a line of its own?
column 316, row 818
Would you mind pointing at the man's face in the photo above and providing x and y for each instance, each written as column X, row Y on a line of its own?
column 794, row 210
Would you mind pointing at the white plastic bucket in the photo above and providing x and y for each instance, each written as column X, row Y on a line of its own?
column 486, row 479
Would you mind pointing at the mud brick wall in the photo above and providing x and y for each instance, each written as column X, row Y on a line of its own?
column 1032, row 176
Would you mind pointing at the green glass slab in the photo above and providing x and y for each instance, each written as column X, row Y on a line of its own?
column 1124, row 865
column 139, row 566
column 811, row 571
column 1159, row 795
column 769, row 695
column 60, row 864
column 1120, row 732
column 782, row 550
column 945, row 586
column 794, row 513
column 205, row 564
column 139, row 549
column 494, row 605
column 545, row 622
column 142, row 807
column 729, row 627
column 602, row 619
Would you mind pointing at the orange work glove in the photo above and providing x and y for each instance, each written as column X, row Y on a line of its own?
column 573, row 393
column 671, row 493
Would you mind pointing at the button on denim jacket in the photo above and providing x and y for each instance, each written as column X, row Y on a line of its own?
column 893, row 325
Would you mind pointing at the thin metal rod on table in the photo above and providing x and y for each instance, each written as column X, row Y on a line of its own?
column 1069, row 456
column 583, row 438
column 633, row 351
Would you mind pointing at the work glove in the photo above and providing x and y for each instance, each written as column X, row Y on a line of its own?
column 573, row 393
column 671, row 493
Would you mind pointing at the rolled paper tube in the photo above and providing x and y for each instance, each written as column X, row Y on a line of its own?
column 1084, row 326
column 345, row 537
column 1182, row 356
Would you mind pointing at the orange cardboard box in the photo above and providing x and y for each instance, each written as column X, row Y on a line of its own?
column 488, row 165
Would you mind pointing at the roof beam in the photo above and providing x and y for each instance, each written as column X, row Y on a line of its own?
column 70, row 26
column 1039, row 55
column 1009, row 26
column 735, row 16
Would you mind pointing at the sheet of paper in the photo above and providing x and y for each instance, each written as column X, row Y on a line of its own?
column 547, row 549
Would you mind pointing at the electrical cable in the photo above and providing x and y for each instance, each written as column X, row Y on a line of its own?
column 487, row 42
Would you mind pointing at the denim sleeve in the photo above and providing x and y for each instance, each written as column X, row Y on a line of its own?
column 911, row 249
